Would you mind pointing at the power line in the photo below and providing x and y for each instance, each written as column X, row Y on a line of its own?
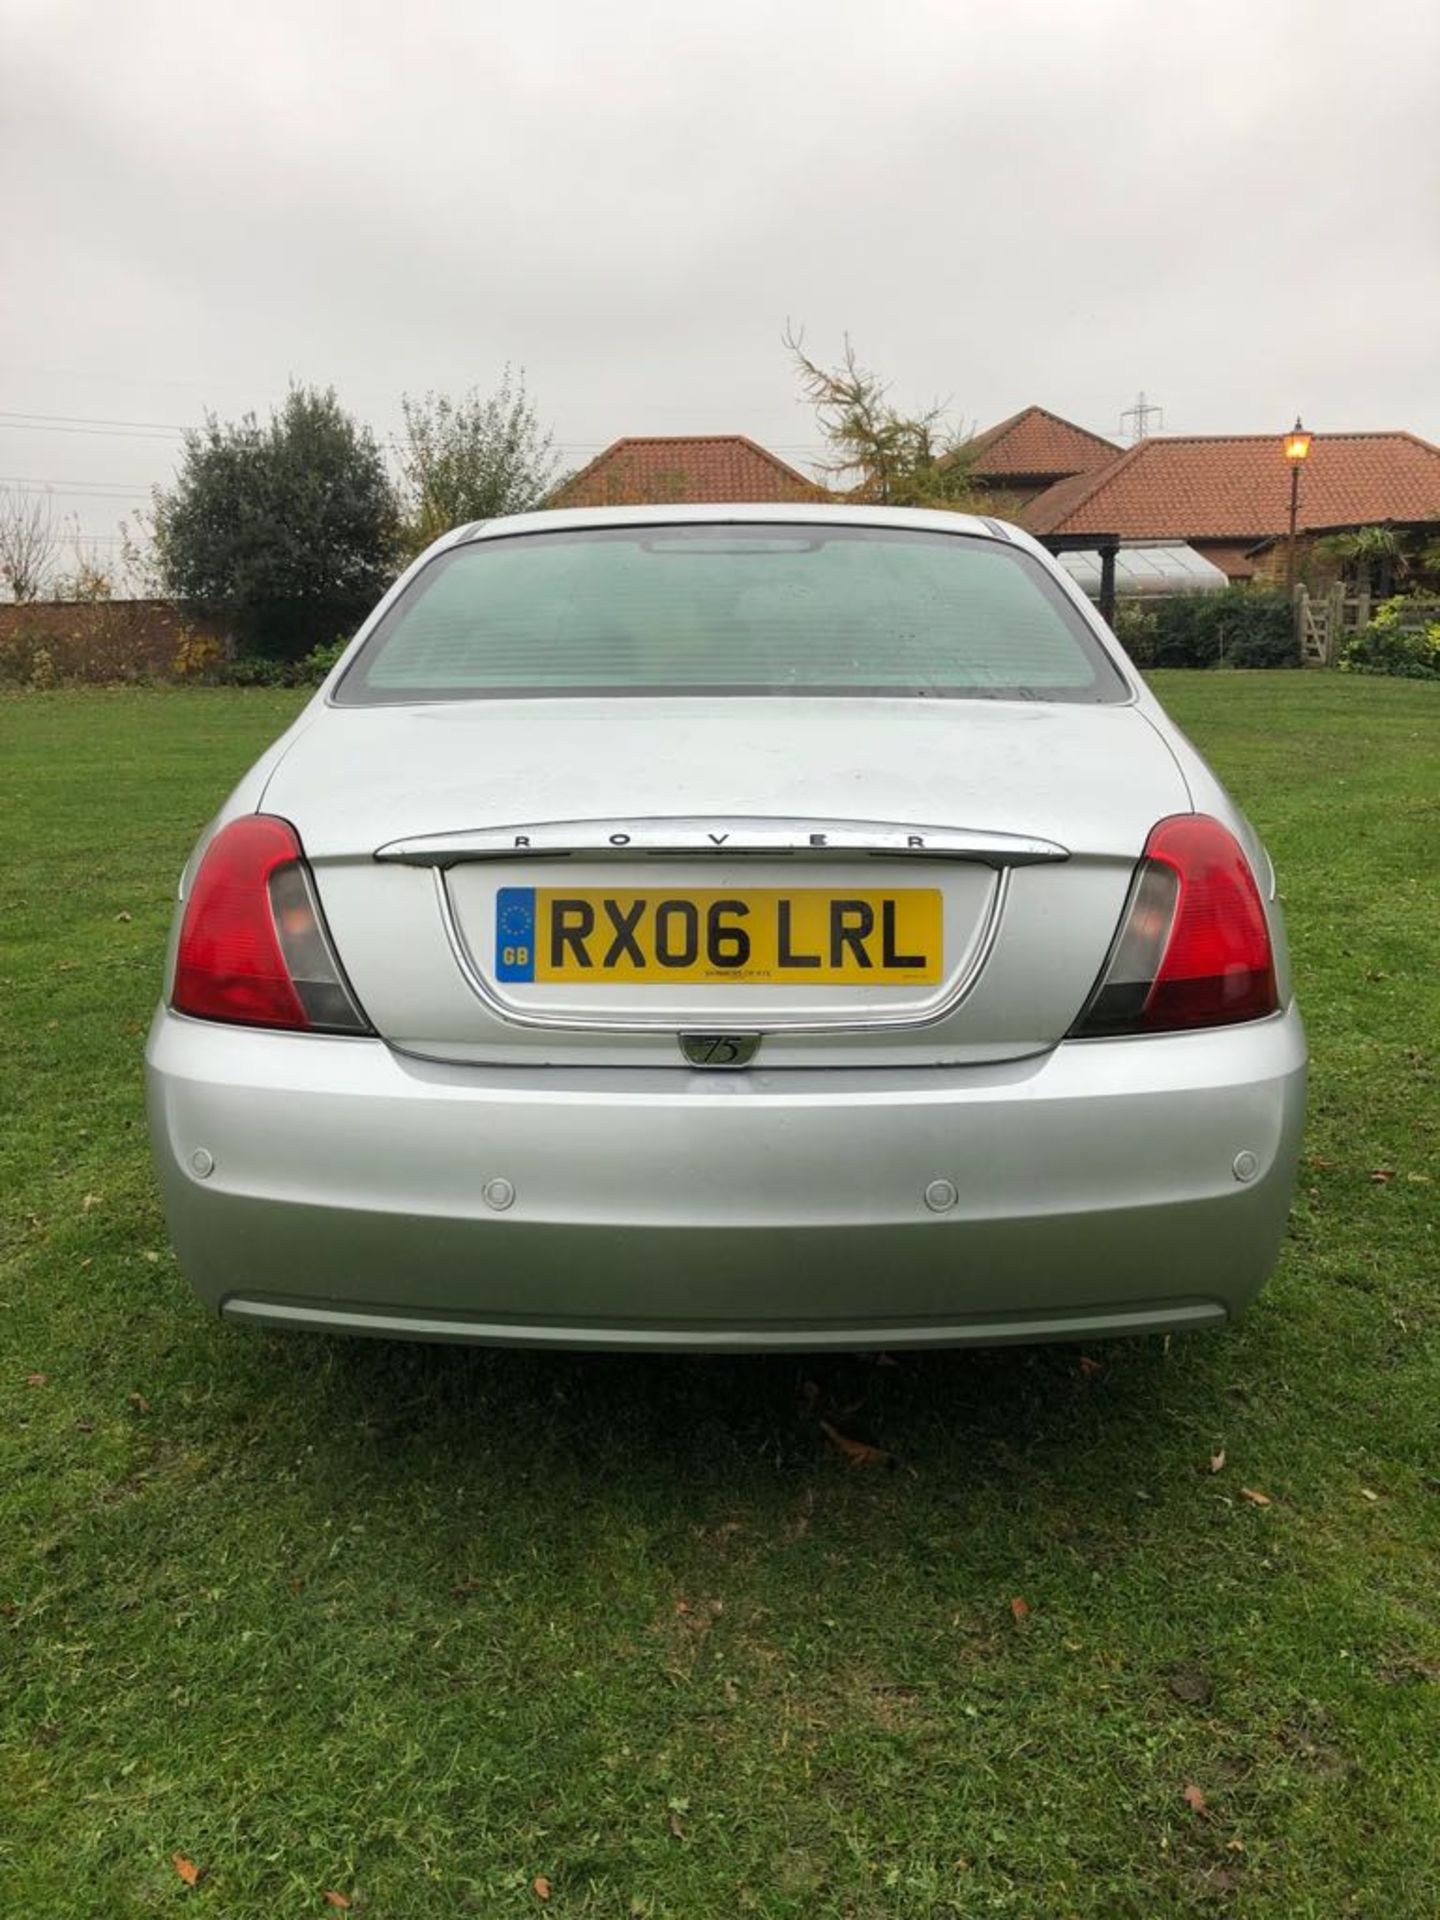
column 94, row 423
column 81, row 489
column 98, row 433
column 20, row 415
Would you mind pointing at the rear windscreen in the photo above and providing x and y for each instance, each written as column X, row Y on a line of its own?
column 727, row 608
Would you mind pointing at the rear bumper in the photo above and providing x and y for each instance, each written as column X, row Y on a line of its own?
column 1095, row 1191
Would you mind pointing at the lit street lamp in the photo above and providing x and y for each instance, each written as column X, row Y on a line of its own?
column 1297, row 452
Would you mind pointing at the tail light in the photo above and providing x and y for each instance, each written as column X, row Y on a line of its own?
column 1194, row 945
column 253, row 945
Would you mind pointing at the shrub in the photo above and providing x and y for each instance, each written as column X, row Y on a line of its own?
column 261, row 670
column 256, row 670
column 318, row 662
column 1237, row 627
column 1137, row 628
column 17, row 657
column 199, row 656
column 96, row 643
column 128, row 642
column 1402, row 639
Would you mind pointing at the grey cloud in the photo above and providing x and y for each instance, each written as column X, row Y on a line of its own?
column 1237, row 207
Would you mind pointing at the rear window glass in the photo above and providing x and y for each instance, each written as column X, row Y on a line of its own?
column 732, row 608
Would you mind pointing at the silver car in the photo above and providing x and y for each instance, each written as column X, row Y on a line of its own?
column 724, row 928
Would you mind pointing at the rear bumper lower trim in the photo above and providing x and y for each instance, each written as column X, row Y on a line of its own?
column 396, row 1324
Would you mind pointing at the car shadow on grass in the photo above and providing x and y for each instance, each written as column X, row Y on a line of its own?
column 1099, row 1427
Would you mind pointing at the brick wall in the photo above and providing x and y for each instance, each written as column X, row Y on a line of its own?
column 43, row 641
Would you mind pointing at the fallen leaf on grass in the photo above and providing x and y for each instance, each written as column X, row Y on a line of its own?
column 1020, row 1608
column 1382, row 1176
column 541, row 1887
column 139, row 1402
column 1090, row 1367
column 90, row 1201
column 187, row 1869
column 337, row 1899
column 1256, row 1497
column 1217, row 1460
column 122, row 915
column 857, row 1452
column 1195, row 1800
column 36, row 1379
column 677, row 1832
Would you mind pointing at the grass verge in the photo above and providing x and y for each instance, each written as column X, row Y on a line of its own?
column 449, row 1632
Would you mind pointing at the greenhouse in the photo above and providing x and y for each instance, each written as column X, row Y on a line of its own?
column 1145, row 569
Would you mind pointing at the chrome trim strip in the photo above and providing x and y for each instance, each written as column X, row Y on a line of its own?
column 711, row 835
column 515, row 1016
column 744, row 1337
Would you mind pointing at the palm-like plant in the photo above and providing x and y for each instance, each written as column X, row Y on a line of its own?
column 1373, row 554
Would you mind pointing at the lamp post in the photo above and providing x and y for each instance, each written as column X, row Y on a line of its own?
column 1297, row 452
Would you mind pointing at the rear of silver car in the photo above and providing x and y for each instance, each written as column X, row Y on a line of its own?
column 619, row 1000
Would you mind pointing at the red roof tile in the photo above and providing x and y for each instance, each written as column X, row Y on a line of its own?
column 683, row 470
column 1238, row 488
column 1037, row 445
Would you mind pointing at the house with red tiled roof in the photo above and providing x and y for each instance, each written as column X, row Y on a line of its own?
column 1030, row 451
column 1228, row 496
column 683, row 469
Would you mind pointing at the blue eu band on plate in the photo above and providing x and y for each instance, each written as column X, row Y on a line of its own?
column 803, row 936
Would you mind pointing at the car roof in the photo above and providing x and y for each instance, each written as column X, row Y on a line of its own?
column 917, row 519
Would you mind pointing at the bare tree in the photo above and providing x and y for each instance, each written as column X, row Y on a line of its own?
column 139, row 569
column 27, row 542
column 88, row 576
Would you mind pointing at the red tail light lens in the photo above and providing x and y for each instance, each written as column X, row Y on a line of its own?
column 253, row 947
column 1194, row 944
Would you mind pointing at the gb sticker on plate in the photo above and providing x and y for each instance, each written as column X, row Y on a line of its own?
column 515, row 933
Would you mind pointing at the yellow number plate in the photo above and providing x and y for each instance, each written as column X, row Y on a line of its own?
column 805, row 936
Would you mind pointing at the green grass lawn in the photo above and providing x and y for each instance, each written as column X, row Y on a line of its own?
column 426, row 1628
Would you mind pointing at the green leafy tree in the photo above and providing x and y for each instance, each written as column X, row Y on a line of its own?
column 471, row 459
column 878, row 454
column 283, row 533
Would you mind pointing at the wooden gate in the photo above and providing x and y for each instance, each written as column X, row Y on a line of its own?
column 1323, row 625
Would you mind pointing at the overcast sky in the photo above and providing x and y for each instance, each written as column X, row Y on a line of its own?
column 1235, row 207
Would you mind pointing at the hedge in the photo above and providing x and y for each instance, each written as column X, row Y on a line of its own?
column 1237, row 627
